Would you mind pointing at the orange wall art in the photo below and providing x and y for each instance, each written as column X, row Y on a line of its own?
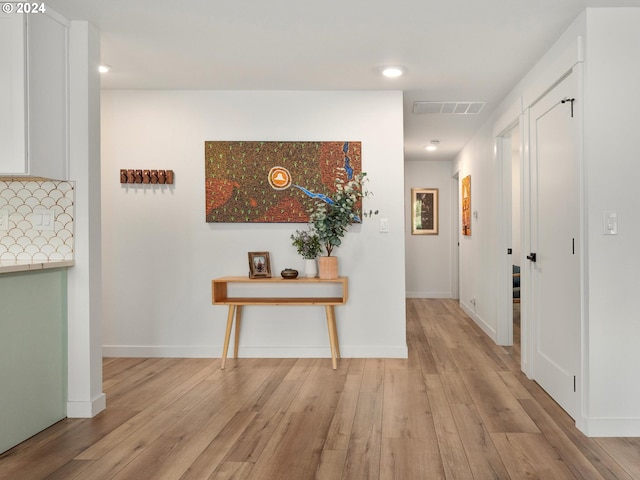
column 466, row 205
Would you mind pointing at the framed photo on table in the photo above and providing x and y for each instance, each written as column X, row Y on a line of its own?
column 424, row 211
column 259, row 265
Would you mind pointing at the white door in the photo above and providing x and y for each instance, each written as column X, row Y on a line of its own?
column 555, row 272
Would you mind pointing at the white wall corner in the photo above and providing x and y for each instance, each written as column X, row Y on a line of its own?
column 85, row 397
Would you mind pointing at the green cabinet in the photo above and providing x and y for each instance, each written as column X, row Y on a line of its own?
column 33, row 353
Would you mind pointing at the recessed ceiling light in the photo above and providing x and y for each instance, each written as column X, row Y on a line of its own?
column 104, row 68
column 392, row 71
column 433, row 146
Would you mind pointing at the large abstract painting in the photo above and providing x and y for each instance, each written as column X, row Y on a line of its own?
column 273, row 182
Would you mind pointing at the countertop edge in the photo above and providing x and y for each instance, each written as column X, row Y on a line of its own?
column 35, row 266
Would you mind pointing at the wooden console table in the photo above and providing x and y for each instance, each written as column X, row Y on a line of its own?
column 220, row 297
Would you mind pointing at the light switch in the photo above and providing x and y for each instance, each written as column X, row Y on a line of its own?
column 4, row 220
column 43, row 220
column 384, row 225
column 610, row 223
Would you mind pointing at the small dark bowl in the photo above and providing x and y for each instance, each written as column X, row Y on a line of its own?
column 289, row 273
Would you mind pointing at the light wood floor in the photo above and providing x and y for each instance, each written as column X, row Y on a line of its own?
column 458, row 408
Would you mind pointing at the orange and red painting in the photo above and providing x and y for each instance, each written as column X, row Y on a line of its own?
column 466, row 205
column 273, row 182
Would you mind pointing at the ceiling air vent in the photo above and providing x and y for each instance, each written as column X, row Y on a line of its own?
column 456, row 108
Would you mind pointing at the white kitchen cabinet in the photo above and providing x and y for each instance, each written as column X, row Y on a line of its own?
column 34, row 65
column 47, row 118
column 12, row 94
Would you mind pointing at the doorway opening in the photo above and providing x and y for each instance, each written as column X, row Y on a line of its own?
column 509, row 151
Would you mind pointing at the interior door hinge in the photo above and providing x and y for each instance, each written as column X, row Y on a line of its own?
column 574, row 383
column 571, row 100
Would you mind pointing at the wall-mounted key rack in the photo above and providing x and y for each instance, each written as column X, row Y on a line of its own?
column 146, row 176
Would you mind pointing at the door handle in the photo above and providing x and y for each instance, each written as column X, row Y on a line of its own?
column 532, row 257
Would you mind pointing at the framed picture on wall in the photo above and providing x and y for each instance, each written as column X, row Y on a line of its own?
column 259, row 265
column 424, row 211
column 466, row 205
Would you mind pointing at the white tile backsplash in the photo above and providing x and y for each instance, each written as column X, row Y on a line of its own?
column 25, row 239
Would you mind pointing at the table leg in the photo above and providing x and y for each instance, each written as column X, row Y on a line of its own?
column 236, row 343
column 227, row 335
column 333, row 335
column 335, row 331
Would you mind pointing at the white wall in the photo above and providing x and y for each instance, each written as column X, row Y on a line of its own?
column 159, row 255
column 478, row 251
column 610, row 392
column 428, row 257
column 481, row 254
column 612, row 171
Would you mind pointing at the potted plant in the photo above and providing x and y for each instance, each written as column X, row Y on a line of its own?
column 307, row 242
column 331, row 218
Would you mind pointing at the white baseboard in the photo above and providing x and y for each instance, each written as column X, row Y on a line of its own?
column 486, row 328
column 346, row 351
column 422, row 294
column 610, row 427
column 87, row 409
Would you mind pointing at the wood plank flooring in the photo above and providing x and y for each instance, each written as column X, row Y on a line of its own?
column 457, row 408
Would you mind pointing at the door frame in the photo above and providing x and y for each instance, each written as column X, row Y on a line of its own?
column 504, row 147
column 516, row 117
column 455, row 235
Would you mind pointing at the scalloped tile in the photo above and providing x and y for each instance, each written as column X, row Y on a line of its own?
column 24, row 225
column 64, row 203
column 56, row 242
column 16, row 201
column 21, row 198
column 23, row 241
column 15, row 233
column 23, row 193
column 40, row 193
column 48, row 186
column 16, row 249
column 63, row 234
column 24, row 257
column 24, row 209
column 7, row 193
column 39, row 241
column 47, row 250
column 48, row 202
column 64, row 250
column 33, row 202
column 56, row 195
column 32, row 250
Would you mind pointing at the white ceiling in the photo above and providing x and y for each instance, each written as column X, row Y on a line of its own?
column 453, row 50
